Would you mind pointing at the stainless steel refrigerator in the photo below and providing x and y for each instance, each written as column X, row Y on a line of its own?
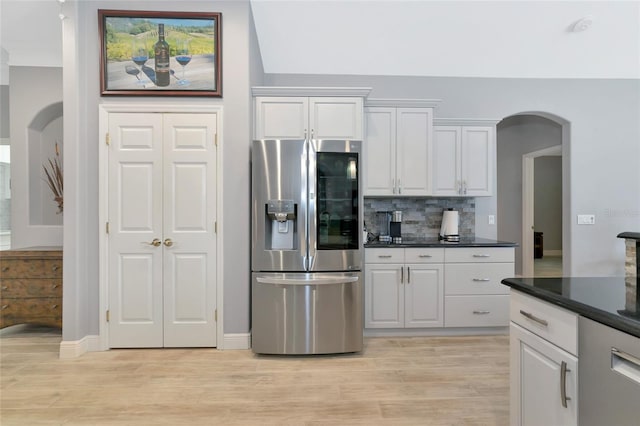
column 306, row 247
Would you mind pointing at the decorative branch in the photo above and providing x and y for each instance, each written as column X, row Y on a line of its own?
column 55, row 178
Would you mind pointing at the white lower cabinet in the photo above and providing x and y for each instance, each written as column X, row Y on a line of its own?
column 403, row 295
column 437, row 287
column 544, row 376
column 474, row 295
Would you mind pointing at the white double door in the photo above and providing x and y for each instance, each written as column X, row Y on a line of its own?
column 162, row 237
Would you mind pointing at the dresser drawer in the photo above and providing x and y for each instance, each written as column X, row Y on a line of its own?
column 474, row 278
column 32, row 307
column 553, row 323
column 479, row 254
column 19, row 288
column 31, row 268
column 384, row 255
column 423, row 255
column 476, row 311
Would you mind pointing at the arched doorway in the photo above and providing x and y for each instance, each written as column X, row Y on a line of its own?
column 521, row 138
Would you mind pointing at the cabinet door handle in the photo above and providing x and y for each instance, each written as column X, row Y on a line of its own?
column 481, row 312
column 481, row 255
column 534, row 318
column 424, row 255
column 401, row 275
column 481, row 279
column 464, row 187
column 563, row 384
column 458, row 187
column 393, row 185
column 408, row 275
column 399, row 187
column 384, row 256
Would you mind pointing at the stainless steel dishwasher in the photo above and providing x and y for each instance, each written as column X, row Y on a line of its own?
column 608, row 376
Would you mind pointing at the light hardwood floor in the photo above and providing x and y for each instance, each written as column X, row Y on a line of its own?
column 394, row 381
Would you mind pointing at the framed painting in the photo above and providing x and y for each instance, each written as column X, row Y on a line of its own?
column 160, row 53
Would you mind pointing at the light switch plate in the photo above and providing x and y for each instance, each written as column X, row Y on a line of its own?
column 586, row 219
column 492, row 219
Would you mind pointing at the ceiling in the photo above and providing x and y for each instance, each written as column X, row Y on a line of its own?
column 508, row 39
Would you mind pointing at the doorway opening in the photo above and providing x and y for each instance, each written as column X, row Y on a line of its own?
column 526, row 141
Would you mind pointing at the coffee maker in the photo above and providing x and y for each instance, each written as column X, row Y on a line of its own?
column 395, row 227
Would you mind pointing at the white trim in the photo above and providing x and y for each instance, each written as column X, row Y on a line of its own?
column 465, row 121
column 106, row 108
column 310, row 91
column 236, row 341
column 76, row 348
column 528, row 204
column 552, row 253
column 402, row 103
column 419, row 332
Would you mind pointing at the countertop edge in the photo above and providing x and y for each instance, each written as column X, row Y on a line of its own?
column 619, row 323
column 439, row 245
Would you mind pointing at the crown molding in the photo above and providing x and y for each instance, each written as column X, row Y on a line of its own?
column 310, row 91
column 402, row 103
column 465, row 121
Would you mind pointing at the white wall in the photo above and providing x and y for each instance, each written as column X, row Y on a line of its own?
column 81, row 95
column 604, row 149
column 548, row 200
column 516, row 136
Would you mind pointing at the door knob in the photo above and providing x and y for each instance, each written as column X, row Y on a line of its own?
column 168, row 242
column 156, row 242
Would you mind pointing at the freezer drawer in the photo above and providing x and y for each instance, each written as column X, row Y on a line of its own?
column 306, row 313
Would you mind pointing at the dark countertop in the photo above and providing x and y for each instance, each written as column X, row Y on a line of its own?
column 630, row 235
column 434, row 242
column 606, row 300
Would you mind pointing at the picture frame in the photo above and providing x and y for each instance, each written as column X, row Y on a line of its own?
column 146, row 53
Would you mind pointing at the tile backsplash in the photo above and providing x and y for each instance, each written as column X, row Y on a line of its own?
column 422, row 217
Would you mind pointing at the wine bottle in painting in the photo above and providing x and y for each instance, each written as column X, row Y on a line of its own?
column 162, row 59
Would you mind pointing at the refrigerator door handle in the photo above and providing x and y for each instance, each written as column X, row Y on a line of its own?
column 302, row 281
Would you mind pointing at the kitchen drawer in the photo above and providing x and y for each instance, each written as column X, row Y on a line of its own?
column 384, row 255
column 479, row 254
column 45, row 287
column 476, row 311
column 474, row 278
column 31, row 268
column 424, row 255
column 555, row 324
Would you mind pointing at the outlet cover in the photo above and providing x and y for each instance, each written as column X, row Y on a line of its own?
column 492, row 219
column 586, row 219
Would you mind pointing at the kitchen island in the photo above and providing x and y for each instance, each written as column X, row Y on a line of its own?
column 434, row 242
column 574, row 350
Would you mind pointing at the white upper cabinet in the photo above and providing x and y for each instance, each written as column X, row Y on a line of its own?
column 398, row 151
column 463, row 160
column 299, row 117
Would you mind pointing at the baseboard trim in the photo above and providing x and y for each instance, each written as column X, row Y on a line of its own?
column 75, row 348
column 552, row 252
column 427, row 332
column 236, row 341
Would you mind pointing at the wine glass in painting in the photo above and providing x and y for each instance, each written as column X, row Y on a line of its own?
column 183, row 57
column 139, row 56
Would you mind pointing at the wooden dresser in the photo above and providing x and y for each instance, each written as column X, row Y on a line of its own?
column 31, row 286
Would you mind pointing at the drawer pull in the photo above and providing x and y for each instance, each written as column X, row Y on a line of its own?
column 384, row 256
column 55, row 286
column 55, row 267
column 481, row 279
column 4, row 307
column 534, row 318
column 4, row 287
column 481, row 255
column 627, row 357
column 425, row 255
column 563, row 384
column 5, row 268
column 54, row 306
column 481, row 312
